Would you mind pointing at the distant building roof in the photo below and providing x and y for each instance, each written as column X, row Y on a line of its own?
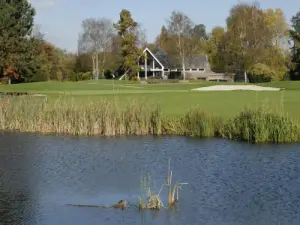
column 197, row 61
column 163, row 57
column 171, row 62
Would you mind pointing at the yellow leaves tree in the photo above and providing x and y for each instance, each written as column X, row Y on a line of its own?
column 252, row 37
column 276, row 21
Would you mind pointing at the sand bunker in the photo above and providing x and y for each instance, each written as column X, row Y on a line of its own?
column 236, row 87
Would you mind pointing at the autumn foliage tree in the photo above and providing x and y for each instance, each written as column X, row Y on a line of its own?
column 253, row 39
column 16, row 23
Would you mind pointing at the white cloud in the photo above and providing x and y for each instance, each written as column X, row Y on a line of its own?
column 43, row 3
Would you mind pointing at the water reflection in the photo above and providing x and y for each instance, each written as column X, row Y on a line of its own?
column 229, row 182
column 12, row 208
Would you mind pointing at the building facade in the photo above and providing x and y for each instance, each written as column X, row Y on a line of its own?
column 162, row 66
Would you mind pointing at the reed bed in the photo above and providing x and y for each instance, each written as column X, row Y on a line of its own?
column 110, row 118
column 263, row 125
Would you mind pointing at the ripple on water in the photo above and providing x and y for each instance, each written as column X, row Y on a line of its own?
column 229, row 182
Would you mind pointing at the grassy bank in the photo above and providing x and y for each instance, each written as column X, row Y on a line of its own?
column 174, row 99
column 112, row 118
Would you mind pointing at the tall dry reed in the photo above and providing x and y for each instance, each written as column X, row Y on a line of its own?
column 110, row 118
column 104, row 118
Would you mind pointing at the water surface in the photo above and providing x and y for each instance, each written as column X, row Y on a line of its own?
column 230, row 183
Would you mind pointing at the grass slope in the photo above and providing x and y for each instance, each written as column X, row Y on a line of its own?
column 174, row 98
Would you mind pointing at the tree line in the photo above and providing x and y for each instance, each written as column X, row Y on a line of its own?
column 257, row 45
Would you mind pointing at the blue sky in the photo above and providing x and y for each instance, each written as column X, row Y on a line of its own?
column 61, row 20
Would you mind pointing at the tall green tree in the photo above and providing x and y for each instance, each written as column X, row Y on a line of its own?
column 127, row 31
column 16, row 23
column 199, row 31
column 214, row 48
column 296, row 30
column 295, row 35
column 251, row 38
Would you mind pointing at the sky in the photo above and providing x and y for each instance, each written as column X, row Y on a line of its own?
column 60, row 20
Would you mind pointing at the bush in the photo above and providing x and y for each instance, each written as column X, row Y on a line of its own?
column 260, row 73
column 80, row 76
column 4, row 80
column 262, row 125
column 199, row 123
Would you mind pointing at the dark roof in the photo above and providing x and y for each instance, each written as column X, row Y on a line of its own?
column 193, row 62
column 197, row 61
column 163, row 57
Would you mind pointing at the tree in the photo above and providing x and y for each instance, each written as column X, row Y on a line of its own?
column 276, row 21
column 16, row 23
column 250, row 40
column 295, row 35
column 260, row 73
column 130, row 52
column 96, row 39
column 162, row 38
column 36, row 33
column 66, row 64
column 179, row 27
column 199, row 31
column 152, row 47
column 141, row 39
column 165, row 41
column 214, row 48
column 217, row 35
column 246, row 33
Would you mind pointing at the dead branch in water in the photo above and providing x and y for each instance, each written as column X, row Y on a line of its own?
column 120, row 205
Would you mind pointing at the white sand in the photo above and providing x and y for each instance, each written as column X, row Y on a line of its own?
column 236, row 87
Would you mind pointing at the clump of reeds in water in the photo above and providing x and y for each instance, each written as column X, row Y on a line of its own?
column 262, row 125
column 153, row 201
column 198, row 123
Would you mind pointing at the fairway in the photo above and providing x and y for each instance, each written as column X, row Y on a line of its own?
column 173, row 98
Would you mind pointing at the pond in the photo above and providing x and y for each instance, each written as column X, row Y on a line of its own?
column 229, row 183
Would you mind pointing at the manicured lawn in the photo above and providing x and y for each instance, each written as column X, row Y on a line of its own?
column 174, row 99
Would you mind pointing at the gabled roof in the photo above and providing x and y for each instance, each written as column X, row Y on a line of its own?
column 163, row 57
column 156, row 59
column 172, row 62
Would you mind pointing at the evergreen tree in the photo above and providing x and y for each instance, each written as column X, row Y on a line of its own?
column 130, row 53
column 295, row 34
column 16, row 23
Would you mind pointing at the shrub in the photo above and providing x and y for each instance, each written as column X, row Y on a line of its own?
column 261, row 73
column 4, row 80
column 198, row 123
column 262, row 125
column 78, row 76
